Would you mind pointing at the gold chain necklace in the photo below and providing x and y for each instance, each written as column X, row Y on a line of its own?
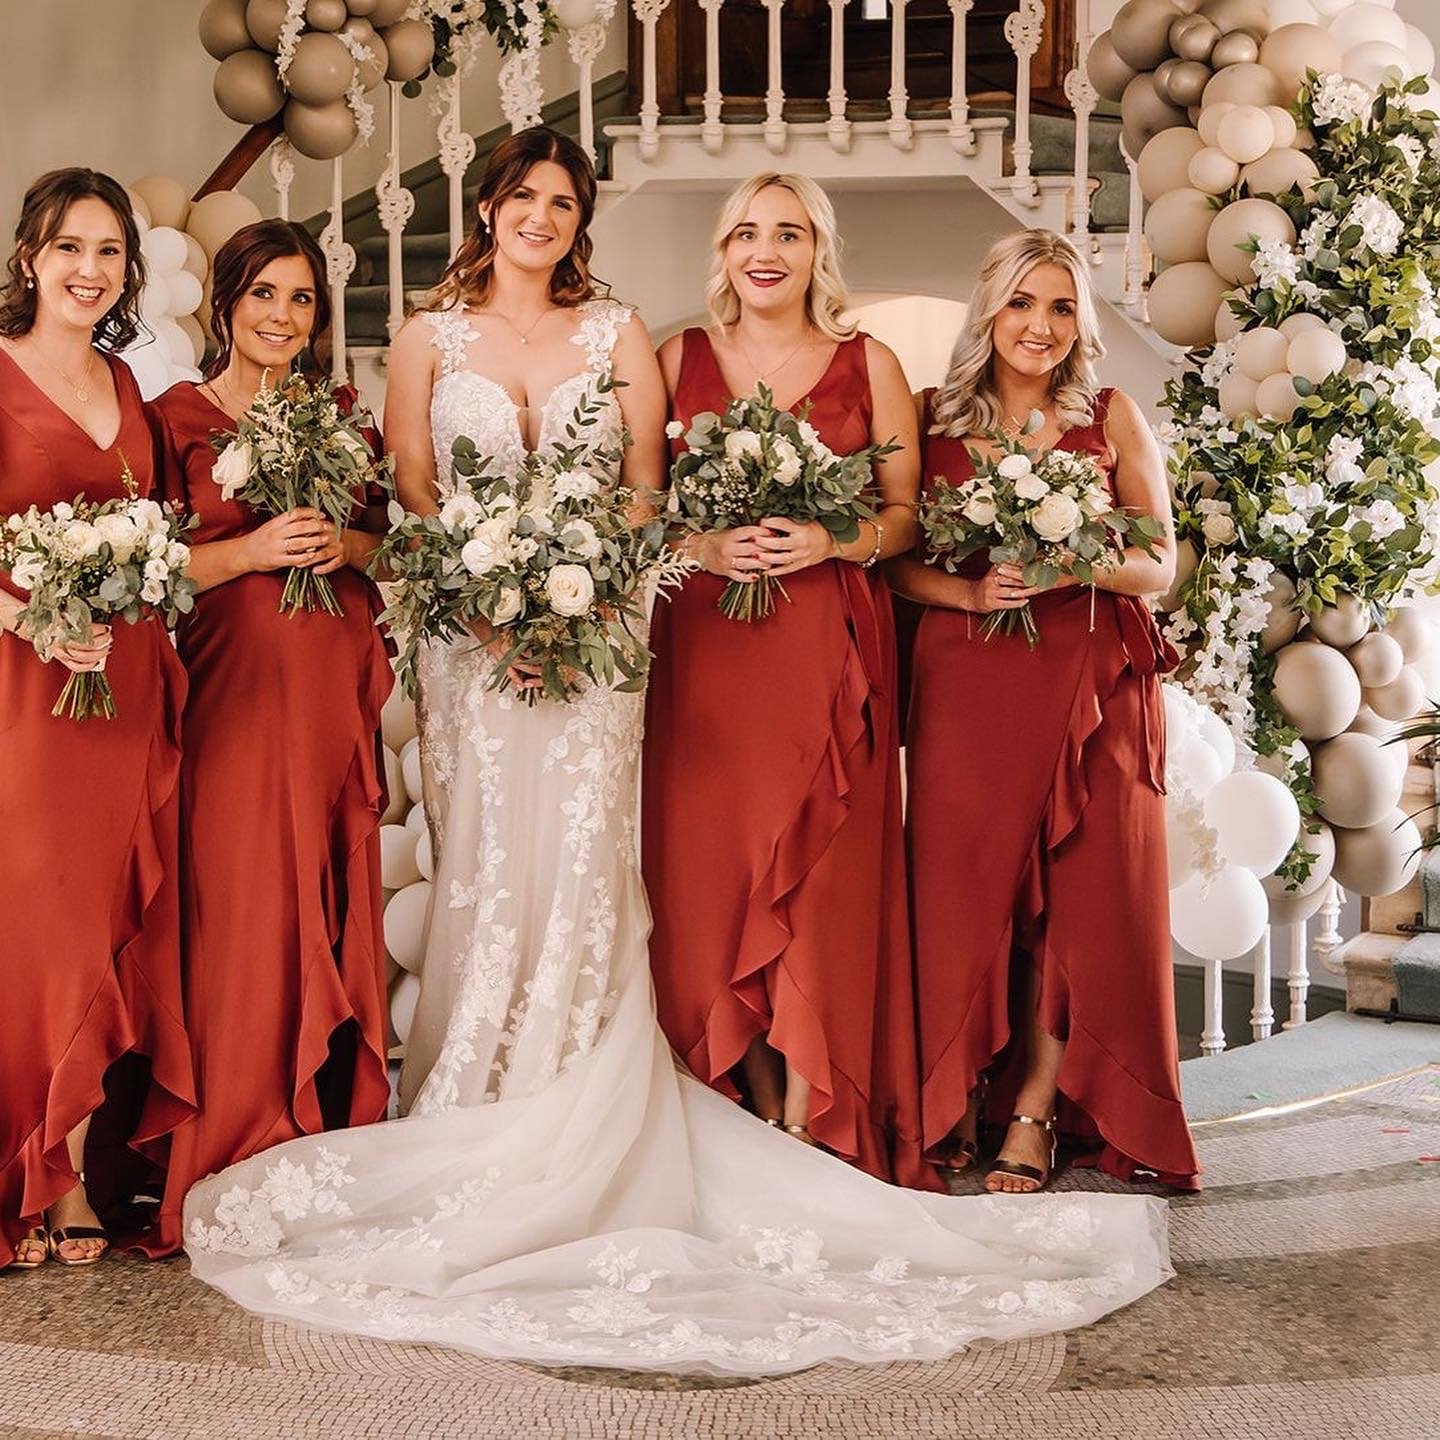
column 774, row 369
column 522, row 335
column 82, row 390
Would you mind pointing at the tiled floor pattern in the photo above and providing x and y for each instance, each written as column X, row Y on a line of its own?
column 1306, row 1307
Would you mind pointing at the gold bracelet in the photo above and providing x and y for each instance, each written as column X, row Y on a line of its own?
column 869, row 561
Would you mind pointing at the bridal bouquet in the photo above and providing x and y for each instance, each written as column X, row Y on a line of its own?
column 1048, row 511
column 296, row 445
column 757, row 461
column 550, row 556
column 83, row 563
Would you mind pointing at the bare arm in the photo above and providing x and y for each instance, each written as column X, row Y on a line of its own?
column 407, row 417
column 643, row 404
column 1140, row 485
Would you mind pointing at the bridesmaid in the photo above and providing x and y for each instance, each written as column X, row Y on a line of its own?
column 1036, row 819
column 772, row 842
column 88, row 809
column 281, row 787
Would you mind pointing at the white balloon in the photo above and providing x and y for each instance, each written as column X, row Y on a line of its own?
column 150, row 363
column 403, row 998
column 397, row 857
column 425, row 856
column 1362, row 22
column 1371, row 62
column 405, row 925
column 415, row 821
column 185, row 292
column 174, row 341
column 399, row 802
column 397, row 719
column 1182, row 714
column 1194, row 765
column 1179, row 847
column 410, row 768
column 165, row 250
column 1419, row 51
column 1292, row 12
column 1223, row 920
column 1216, row 734
column 1256, row 819
column 1329, row 8
column 155, row 300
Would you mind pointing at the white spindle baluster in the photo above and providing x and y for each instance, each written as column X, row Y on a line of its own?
column 457, row 150
column 339, row 266
column 395, row 205
column 962, row 136
column 1137, row 267
column 282, row 172
column 1327, row 938
column 838, row 125
column 901, row 133
column 712, row 130
column 1023, row 30
column 648, row 12
column 1212, row 1037
column 1083, row 98
column 585, row 44
column 1297, row 974
column 775, row 90
column 1262, row 1012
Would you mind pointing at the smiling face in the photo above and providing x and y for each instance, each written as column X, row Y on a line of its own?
column 1037, row 327
column 273, row 319
column 79, row 273
column 770, row 254
column 535, row 227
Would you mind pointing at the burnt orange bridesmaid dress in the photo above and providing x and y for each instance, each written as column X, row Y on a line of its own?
column 282, row 791
column 1037, row 837
column 92, row 1018
column 772, row 843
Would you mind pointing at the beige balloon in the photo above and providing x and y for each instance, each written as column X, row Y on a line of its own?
column 1208, row 125
column 1292, row 50
column 1402, row 699
column 1298, row 323
column 411, row 44
column 1237, row 223
column 1182, row 302
column 1284, row 619
column 1276, row 397
column 1238, row 395
column 1377, row 659
column 139, row 206
column 1144, row 114
column 1187, row 557
column 195, row 334
column 215, row 218
column 1316, row 354
column 320, row 132
column 1244, row 85
column 1321, row 847
column 377, row 61
column 387, row 12
column 1343, row 623
column 1355, row 783
column 1380, row 859
column 246, row 87
column 1227, row 323
column 1177, row 224
column 1261, row 352
column 1279, row 171
column 1162, row 163
column 1411, row 631
column 1316, row 689
column 1108, row 73
column 1140, row 32
column 325, row 14
column 321, row 70
column 1186, row 83
column 1211, row 170
column 1245, row 133
column 222, row 28
column 1284, row 123
column 166, row 199
column 265, row 19
column 197, row 262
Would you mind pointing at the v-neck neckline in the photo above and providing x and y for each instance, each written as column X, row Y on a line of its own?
column 730, row 395
column 62, row 411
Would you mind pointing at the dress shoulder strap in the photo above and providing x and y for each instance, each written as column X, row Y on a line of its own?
column 452, row 334
column 600, row 322
column 1102, row 407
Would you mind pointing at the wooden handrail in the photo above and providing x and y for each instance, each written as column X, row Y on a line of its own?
column 243, row 154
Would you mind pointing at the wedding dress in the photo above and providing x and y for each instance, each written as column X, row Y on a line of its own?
column 558, row 1191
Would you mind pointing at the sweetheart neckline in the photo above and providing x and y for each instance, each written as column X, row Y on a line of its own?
column 515, row 406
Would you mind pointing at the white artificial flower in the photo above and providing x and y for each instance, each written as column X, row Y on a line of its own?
column 743, row 445
column 569, row 589
column 1412, row 391
column 1013, row 467
column 460, row 511
column 507, row 607
column 1316, row 235
column 1055, row 517
column 1303, row 495
column 576, row 485
column 232, row 469
column 580, row 539
column 1337, row 100
column 1381, row 227
column 1411, row 150
column 1031, row 486
column 490, row 547
column 1383, row 517
column 1275, row 262
column 1219, row 529
column 1217, row 367
column 980, row 509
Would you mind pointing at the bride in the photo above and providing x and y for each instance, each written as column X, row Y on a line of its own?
column 559, row 1191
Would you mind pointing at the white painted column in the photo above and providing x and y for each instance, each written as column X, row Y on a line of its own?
column 648, row 13
column 1297, row 974
column 1262, row 1012
column 1083, row 98
column 1327, row 935
column 457, row 150
column 585, row 44
column 1212, row 1037
column 282, row 175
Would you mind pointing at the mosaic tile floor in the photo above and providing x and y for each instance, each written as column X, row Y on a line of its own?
column 1307, row 1305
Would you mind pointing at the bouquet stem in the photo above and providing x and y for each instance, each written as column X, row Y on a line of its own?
column 751, row 599
column 87, row 694
column 305, row 590
column 1007, row 622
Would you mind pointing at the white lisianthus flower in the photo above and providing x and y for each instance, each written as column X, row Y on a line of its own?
column 980, row 508
column 580, row 539
column 787, row 462
column 177, row 556
column 507, row 607
column 576, row 485
column 233, row 468
column 157, row 570
column 1096, row 501
column 1055, row 517
column 157, row 544
column 490, row 547
column 743, row 445
column 1031, row 486
column 1219, row 529
column 152, row 592
column 460, row 511
column 569, row 589
column 1015, row 467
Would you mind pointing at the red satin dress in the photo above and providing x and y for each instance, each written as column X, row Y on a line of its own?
column 282, row 792
column 1037, row 837
column 92, row 1018
column 772, row 841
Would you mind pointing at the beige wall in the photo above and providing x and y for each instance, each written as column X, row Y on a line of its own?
column 124, row 86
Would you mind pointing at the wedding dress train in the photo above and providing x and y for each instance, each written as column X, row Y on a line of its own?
column 558, row 1191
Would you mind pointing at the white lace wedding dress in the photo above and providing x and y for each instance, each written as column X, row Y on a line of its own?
column 558, row 1192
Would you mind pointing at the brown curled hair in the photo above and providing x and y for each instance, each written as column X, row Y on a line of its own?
column 46, row 203
column 471, row 274
column 240, row 259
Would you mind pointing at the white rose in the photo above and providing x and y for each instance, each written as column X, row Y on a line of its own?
column 157, row 545
column 787, row 462
column 157, row 570
column 232, row 469
column 1014, row 467
column 119, row 533
column 1219, row 529
column 489, row 546
column 82, row 539
column 570, row 589
column 1030, row 487
column 1096, row 500
column 352, row 445
column 743, row 445
column 1055, row 516
column 177, row 556
column 811, row 436
column 152, row 592
column 575, row 485
column 147, row 515
column 507, row 607
column 580, row 539
column 979, row 509
column 460, row 511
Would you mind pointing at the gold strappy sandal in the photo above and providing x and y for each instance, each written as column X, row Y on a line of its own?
column 37, row 1235
column 1019, row 1168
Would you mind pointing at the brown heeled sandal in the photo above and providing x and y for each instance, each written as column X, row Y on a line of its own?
column 1019, row 1168
column 38, row 1236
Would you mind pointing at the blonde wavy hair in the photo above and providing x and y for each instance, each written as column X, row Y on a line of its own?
column 826, row 299
column 966, row 403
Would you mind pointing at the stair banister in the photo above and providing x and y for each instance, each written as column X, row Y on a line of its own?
column 1137, row 267
column 1262, row 1011
column 339, row 266
column 775, row 133
column 457, row 150
column 838, row 125
column 395, row 205
column 648, row 12
column 585, row 44
column 1083, row 98
column 1327, row 939
column 901, row 133
column 1023, row 29
column 1212, row 1037
column 962, row 135
column 282, row 174
column 712, row 131
column 1297, row 975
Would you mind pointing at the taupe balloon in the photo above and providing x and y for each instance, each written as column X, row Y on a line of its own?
column 1316, row 689
column 411, row 44
column 264, row 19
column 1239, row 47
column 1411, row 630
column 1177, row 224
column 222, row 28
column 1193, row 37
column 1354, row 781
column 166, row 199
column 247, row 89
column 1144, row 114
column 1251, row 15
column 1187, row 557
column 1160, row 78
column 1182, row 302
column 1284, row 620
column 1108, row 73
column 1277, row 172
column 326, row 14
column 387, row 12
column 1342, row 623
column 362, row 7
column 358, row 29
column 1186, row 82
column 1321, row 846
column 1161, row 166
column 321, row 132
column 372, row 70
column 213, row 219
column 321, row 71
column 1380, row 859
column 1239, row 222
column 1243, row 85
column 1402, row 699
column 1141, row 32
